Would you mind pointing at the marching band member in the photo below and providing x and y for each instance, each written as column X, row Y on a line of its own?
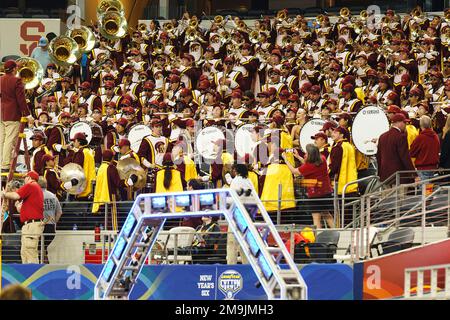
column 168, row 179
column 39, row 150
column 57, row 139
column 84, row 157
column 52, row 176
column 125, row 150
column 153, row 147
column 87, row 97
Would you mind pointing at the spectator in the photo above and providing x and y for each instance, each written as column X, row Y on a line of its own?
column 31, row 215
column 393, row 154
column 206, row 240
column 444, row 161
column 193, row 184
column 41, row 54
column 13, row 107
column 52, row 214
column 314, row 166
column 5, row 227
column 16, row 292
column 168, row 179
column 425, row 149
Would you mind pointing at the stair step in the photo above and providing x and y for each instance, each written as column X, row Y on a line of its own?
column 273, row 249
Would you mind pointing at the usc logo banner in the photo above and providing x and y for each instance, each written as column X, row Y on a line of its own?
column 20, row 36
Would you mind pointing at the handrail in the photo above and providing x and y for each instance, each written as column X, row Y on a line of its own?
column 397, row 173
column 433, row 281
column 345, row 189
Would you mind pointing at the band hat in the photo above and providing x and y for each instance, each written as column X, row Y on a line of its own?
column 123, row 122
column 47, row 157
column 124, row 142
column 320, row 135
column 399, row 117
column 79, row 136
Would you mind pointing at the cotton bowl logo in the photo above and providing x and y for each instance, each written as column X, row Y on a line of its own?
column 230, row 283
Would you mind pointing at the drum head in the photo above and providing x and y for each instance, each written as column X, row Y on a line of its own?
column 136, row 134
column 369, row 124
column 81, row 127
column 205, row 142
column 308, row 130
column 28, row 134
column 243, row 141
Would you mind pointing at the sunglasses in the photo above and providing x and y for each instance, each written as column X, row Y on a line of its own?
column 147, row 90
column 245, row 99
column 229, row 63
column 108, row 88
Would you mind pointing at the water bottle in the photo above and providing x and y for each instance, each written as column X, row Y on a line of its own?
column 75, row 227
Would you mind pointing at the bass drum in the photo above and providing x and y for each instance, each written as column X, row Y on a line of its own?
column 94, row 133
column 369, row 124
column 136, row 134
column 244, row 141
column 205, row 142
column 308, row 130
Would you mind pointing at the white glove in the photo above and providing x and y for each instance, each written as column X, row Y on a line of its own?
column 205, row 178
column 124, row 157
column 147, row 163
column 172, row 116
column 130, row 182
column 67, row 185
column 228, row 178
column 116, row 149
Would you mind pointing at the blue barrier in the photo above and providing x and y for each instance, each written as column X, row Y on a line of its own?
column 174, row 282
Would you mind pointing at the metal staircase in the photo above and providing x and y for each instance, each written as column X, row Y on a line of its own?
column 247, row 219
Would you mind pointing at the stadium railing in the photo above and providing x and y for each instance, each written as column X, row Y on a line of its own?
column 431, row 282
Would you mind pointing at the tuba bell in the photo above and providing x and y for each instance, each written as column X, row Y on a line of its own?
column 142, row 27
column 193, row 23
column 287, row 40
column 113, row 25
column 109, row 6
column 168, row 27
column 344, row 12
column 225, row 37
column 191, row 34
column 254, row 36
column 84, row 37
column 417, row 12
column 158, row 47
column 281, row 15
column 30, row 71
column 74, row 171
column 129, row 166
column 363, row 14
column 218, row 20
column 64, row 51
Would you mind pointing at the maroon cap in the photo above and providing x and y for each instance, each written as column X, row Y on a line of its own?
column 107, row 155
column 272, row 91
column 263, row 94
column 246, row 46
column 33, row 175
column 348, row 88
column 190, row 123
column 149, row 85
column 405, row 79
column 185, row 92
column 253, row 113
column 123, row 122
column 129, row 110
column 341, row 40
column 125, row 103
column 293, row 97
column 306, row 87
column 348, row 79
column 203, row 85
column 38, row 136
column 331, row 100
column 415, row 92
column 66, row 79
column 399, row 117
column 276, row 52
column 328, row 125
column 79, row 136
column 111, row 104
column 319, row 135
column 372, row 72
column 392, row 96
column 124, row 142
column 9, row 65
column 383, row 78
column 174, row 78
column 292, row 109
column 315, row 89
column 236, row 95
column 284, row 94
column 274, row 70
column 393, row 109
column 85, row 85
column 135, row 52
column 47, row 157
column 342, row 130
column 64, row 115
column 189, row 57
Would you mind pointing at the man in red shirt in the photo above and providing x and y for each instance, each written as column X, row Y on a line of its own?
column 13, row 107
column 31, row 215
column 425, row 149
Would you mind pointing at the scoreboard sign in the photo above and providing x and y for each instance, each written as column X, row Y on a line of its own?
column 21, row 36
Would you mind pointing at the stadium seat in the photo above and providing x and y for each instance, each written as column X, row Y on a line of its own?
column 184, row 241
column 399, row 239
column 13, row 15
column 40, row 16
column 325, row 246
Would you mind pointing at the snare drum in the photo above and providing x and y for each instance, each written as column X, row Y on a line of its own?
column 205, row 142
column 369, row 124
column 136, row 134
column 93, row 132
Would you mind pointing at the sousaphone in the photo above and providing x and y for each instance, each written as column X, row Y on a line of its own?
column 84, row 37
column 30, row 71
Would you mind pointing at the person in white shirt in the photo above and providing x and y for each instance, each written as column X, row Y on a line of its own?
column 239, row 182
